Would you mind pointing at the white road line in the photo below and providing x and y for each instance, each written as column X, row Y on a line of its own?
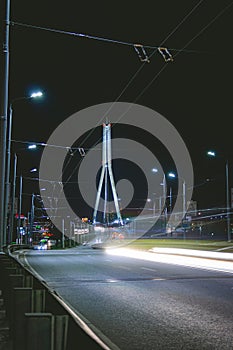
column 148, row 269
column 92, row 331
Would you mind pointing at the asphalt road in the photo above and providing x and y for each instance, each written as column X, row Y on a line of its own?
column 143, row 305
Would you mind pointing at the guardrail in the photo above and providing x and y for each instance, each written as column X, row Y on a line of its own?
column 38, row 318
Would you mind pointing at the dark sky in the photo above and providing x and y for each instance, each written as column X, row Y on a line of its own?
column 194, row 92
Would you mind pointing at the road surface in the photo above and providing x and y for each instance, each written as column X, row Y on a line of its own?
column 143, row 305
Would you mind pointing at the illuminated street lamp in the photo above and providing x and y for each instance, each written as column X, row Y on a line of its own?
column 155, row 171
column 36, row 94
column 33, row 95
column 32, row 146
column 19, row 210
column 173, row 175
column 213, row 154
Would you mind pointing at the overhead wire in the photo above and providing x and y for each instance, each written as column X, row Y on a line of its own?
column 132, row 79
column 188, row 43
column 130, row 44
column 162, row 69
column 80, row 149
column 93, row 37
column 116, row 42
column 181, row 22
column 143, row 65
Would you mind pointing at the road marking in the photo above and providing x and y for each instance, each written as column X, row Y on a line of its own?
column 148, row 269
column 159, row 279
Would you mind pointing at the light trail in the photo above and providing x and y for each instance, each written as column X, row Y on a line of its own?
column 202, row 260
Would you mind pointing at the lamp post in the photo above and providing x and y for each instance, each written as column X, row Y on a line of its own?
column 5, row 55
column 213, row 154
column 20, row 209
column 13, row 192
column 32, row 214
column 12, row 213
column 8, row 157
column 173, row 175
column 162, row 203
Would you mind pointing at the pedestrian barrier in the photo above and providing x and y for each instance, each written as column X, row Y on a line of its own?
column 38, row 318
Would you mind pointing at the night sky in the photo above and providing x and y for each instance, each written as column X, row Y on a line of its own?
column 193, row 92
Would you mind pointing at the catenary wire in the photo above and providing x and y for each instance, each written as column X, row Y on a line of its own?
column 87, row 36
column 132, row 79
column 165, row 66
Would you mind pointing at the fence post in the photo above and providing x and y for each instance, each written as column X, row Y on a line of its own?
column 22, row 302
column 39, row 331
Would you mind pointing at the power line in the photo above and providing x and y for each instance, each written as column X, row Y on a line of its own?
column 131, row 44
column 188, row 43
column 161, row 70
column 181, row 22
column 142, row 66
column 68, row 148
column 93, row 37
column 135, row 75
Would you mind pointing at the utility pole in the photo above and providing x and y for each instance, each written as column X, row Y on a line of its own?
column 32, row 216
column 12, row 213
column 3, row 117
column 7, row 174
column 63, row 234
column 20, row 209
column 228, row 204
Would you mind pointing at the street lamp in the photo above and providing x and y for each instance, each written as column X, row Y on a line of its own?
column 32, row 146
column 155, row 171
column 162, row 201
column 8, row 158
column 3, row 112
column 36, row 94
column 213, row 154
column 173, row 175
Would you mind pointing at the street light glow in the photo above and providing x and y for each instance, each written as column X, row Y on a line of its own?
column 211, row 153
column 32, row 146
column 33, row 170
column 36, row 94
column 172, row 175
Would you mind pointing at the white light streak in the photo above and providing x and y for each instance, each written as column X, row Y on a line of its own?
column 197, row 259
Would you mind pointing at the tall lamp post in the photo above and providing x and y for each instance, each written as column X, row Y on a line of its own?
column 5, row 55
column 213, row 154
column 155, row 170
column 8, row 158
column 13, row 193
column 173, row 175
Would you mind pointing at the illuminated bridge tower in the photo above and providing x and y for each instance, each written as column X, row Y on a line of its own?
column 106, row 170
